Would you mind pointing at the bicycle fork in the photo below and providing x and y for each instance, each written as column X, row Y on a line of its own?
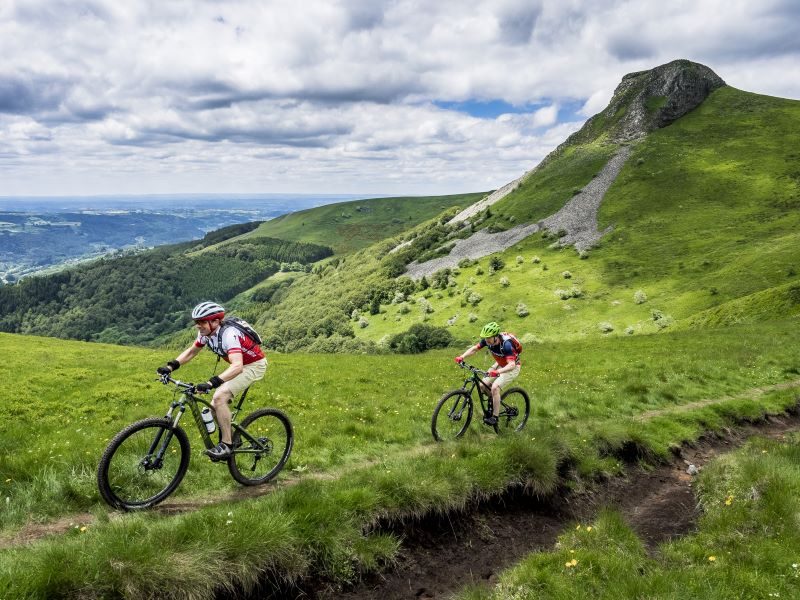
column 155, row 459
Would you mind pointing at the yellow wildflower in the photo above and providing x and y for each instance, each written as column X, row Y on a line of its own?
column 712, row 558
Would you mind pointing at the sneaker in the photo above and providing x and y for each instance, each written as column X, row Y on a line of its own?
column 490, row 420
column 221, row 451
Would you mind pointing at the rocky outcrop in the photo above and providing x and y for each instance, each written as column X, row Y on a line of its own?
column 643, row 102
column 648, row 100
column 577, row 219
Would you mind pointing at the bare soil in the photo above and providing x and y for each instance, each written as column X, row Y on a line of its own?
column 442, row 554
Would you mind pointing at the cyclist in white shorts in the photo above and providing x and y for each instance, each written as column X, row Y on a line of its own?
column 246, row 366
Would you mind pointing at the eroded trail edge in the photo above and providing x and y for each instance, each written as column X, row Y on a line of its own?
column 442, row 554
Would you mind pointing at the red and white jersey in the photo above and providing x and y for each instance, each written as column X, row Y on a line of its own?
column 232, row 341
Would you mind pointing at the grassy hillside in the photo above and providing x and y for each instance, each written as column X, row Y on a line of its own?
column 706, row 231
column 743, row 548
column 349, row 226
column 363, row 450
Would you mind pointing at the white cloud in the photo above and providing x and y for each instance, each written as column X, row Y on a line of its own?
column 98, row 96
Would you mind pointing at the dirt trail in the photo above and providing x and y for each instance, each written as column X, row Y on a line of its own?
column 33, row 532
column 442, row 554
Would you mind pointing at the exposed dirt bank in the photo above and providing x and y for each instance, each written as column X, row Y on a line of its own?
column 441, row 555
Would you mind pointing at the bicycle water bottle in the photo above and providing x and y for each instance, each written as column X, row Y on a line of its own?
column 208, row 419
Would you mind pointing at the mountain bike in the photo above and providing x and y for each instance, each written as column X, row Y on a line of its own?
column 146, row 461
column 453, row 413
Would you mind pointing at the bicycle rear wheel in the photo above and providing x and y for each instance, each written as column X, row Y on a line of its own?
column 143, row 464
column 258, row 460
column 452, row 415
column 515, row 407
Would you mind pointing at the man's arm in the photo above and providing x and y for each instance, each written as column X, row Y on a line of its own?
column 189, row 354
column 470, row 351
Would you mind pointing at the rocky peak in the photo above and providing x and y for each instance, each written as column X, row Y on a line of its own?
column 648, row 100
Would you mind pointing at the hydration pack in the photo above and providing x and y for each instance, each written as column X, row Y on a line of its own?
column 515, row 343
column 242, row 326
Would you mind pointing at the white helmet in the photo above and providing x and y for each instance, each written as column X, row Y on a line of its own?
column 207, row 311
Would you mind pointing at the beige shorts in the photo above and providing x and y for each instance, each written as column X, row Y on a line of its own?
column 505, row 378
column 249, row 375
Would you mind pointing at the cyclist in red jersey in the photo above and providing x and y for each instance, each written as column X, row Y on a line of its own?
column 247, row 365
column 506, row 366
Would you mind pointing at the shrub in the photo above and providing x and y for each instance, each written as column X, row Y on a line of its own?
column 640, row 297
column 465, row 262
column 536, row 260
column 478, row 271
column 529, row 338
column 363, row 322
column 522, row 310
column 474, row 298
column 472, row 317
column 566, row 275
column 404, row 308
column 504, row 281
column 563, row 294
column 399, row 297
column 583, row 254
column 520, row 260
column 425, row 306
column 629, row 330
column 495, row 264
column 605, row 327
column 419, row 338
column 661, row 320
column 355, row 314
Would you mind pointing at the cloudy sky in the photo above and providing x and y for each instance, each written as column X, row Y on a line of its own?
column 340, row 96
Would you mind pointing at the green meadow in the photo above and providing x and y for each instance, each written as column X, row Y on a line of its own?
column 746, row 545
column 681, row 321
column 363, row 451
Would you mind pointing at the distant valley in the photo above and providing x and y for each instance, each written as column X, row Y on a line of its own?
column 39, row 235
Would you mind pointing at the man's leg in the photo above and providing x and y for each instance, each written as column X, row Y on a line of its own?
column 220, row 402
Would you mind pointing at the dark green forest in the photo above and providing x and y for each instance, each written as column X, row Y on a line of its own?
column 145, row 297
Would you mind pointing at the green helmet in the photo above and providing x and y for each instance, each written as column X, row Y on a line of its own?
column 490, row 330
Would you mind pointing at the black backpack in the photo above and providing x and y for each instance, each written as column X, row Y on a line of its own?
column 242, row 326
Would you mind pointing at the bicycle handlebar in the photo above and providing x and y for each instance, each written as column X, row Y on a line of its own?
column 166, row 379
column 475, row 370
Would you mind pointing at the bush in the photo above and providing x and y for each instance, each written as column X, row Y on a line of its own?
column 640, row 297
column 629, row 330
column 472, row 317
column 536, row 260
column 661, row 320
column 566, row 275
column 404, row 308
column 504, row 281
column 474, row 298
column 425, row 306
column 363, row 323
column 495, row 264
column 520, row 260
column 605, row 327
column 465, row 262
column 478, row 271
column 419, row 338
column 522, row 310
column 355, row 314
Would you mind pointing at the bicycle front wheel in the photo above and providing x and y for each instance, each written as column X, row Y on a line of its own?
column 257, row 460
column 143, row 464
column 515, row 407
column 452, row 415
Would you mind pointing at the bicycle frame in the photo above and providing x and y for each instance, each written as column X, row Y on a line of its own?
column 474, row 383
column 188, row 398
